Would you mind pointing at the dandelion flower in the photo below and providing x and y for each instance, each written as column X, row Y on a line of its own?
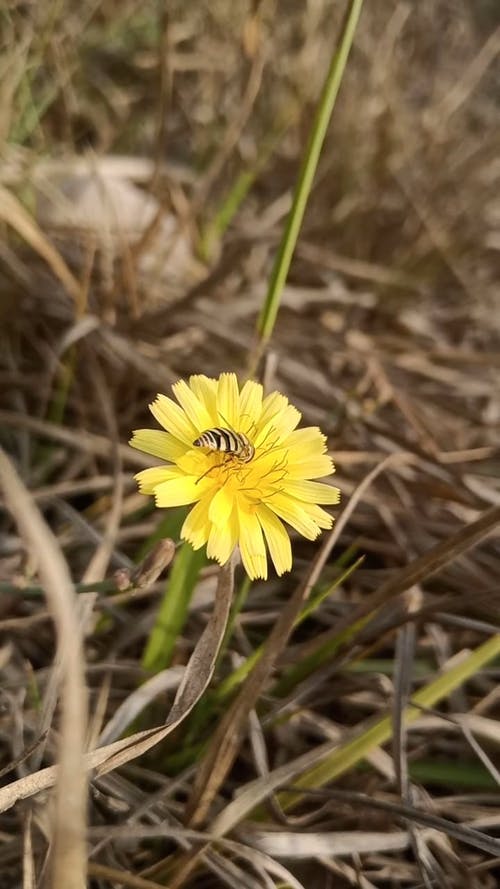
column 258, row 472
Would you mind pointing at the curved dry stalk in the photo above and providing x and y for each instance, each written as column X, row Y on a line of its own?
column 69, row 856
column 196, row 679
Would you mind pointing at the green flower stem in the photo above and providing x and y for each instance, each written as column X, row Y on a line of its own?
column 267, row 318
column 174, row 608
column 236, row 608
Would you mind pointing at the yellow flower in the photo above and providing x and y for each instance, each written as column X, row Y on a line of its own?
column 238, row 501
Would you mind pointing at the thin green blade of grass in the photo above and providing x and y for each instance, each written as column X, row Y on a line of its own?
column 424, row 566
column 350, row 754
column 238, row 676
column 174, row 608
column 308, row 665
column 465, row 774
column 220, row 222
column 268, row 315
column 468, row 775
column 318, row 598
column 217, row 226
column 236, row 608
column 59, row 401
column 385, row 666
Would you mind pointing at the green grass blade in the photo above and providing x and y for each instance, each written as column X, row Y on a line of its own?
column 269, row 311
column 235, row 679
column 174, row 608
column 350, row 754
column 463, row 775
column 318, row 598
column 222, row 219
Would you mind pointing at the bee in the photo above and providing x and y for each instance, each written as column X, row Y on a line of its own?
column 226, row 441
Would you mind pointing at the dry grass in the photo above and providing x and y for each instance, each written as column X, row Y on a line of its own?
column 147, row 164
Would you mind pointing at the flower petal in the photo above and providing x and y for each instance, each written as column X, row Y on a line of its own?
column 252, row 546
column 194, row 409
column 195, row 462
column 158, row 443
column 312, row 492
column 272, row 405
column 223, row 539
column 286, row 421
column 228, row 401
column 322, row 518
column 277, row 421
column 307, row 441
column 196, row 527
column 293, row 512
column 277, row 539
column 178, row 491
column 173, row 419
column 205, row 389
column 149, row 479
column 313, row 467
column 221, row 506
column 250, row 407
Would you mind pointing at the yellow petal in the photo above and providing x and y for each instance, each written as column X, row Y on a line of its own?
column 205, row 389
column 158, row 443
column 305, row 442
column 250, row 407
column 196, row 527
column 195, row 462
column 277, row 539
column 313, row 467
column 194, row 409
column 252, row 546
column 293, row 512
column 223, row 539
column 178, row 491
column 149, row 479
column 312, row 492
column 287, row 420
column 228, row 401
column 277, row 421
column 173, row 419
column 221, row 506
column 322, row 518
column 272, row 405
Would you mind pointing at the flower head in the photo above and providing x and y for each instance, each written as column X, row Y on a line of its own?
column 251, row 471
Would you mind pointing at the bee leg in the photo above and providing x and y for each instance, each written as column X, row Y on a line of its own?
column 217, row 466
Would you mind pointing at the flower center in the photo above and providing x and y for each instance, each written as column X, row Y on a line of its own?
column 254, row 481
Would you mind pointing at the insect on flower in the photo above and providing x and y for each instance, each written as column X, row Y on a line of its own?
column 227, row 441
column 239, row 459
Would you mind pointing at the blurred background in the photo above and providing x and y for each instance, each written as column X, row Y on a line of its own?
column 149, row 153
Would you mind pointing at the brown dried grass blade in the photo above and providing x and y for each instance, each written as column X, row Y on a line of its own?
column 161, row 683
column 81, row 440
column 69, row 856
column 412, row 574
column 228, row 734
column 13, row 213
column 469, row 835
column 113, row 875
column 29, row 878
column 225, row 743
column 196, row 679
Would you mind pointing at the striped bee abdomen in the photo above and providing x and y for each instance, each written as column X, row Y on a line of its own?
column 226, row 442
